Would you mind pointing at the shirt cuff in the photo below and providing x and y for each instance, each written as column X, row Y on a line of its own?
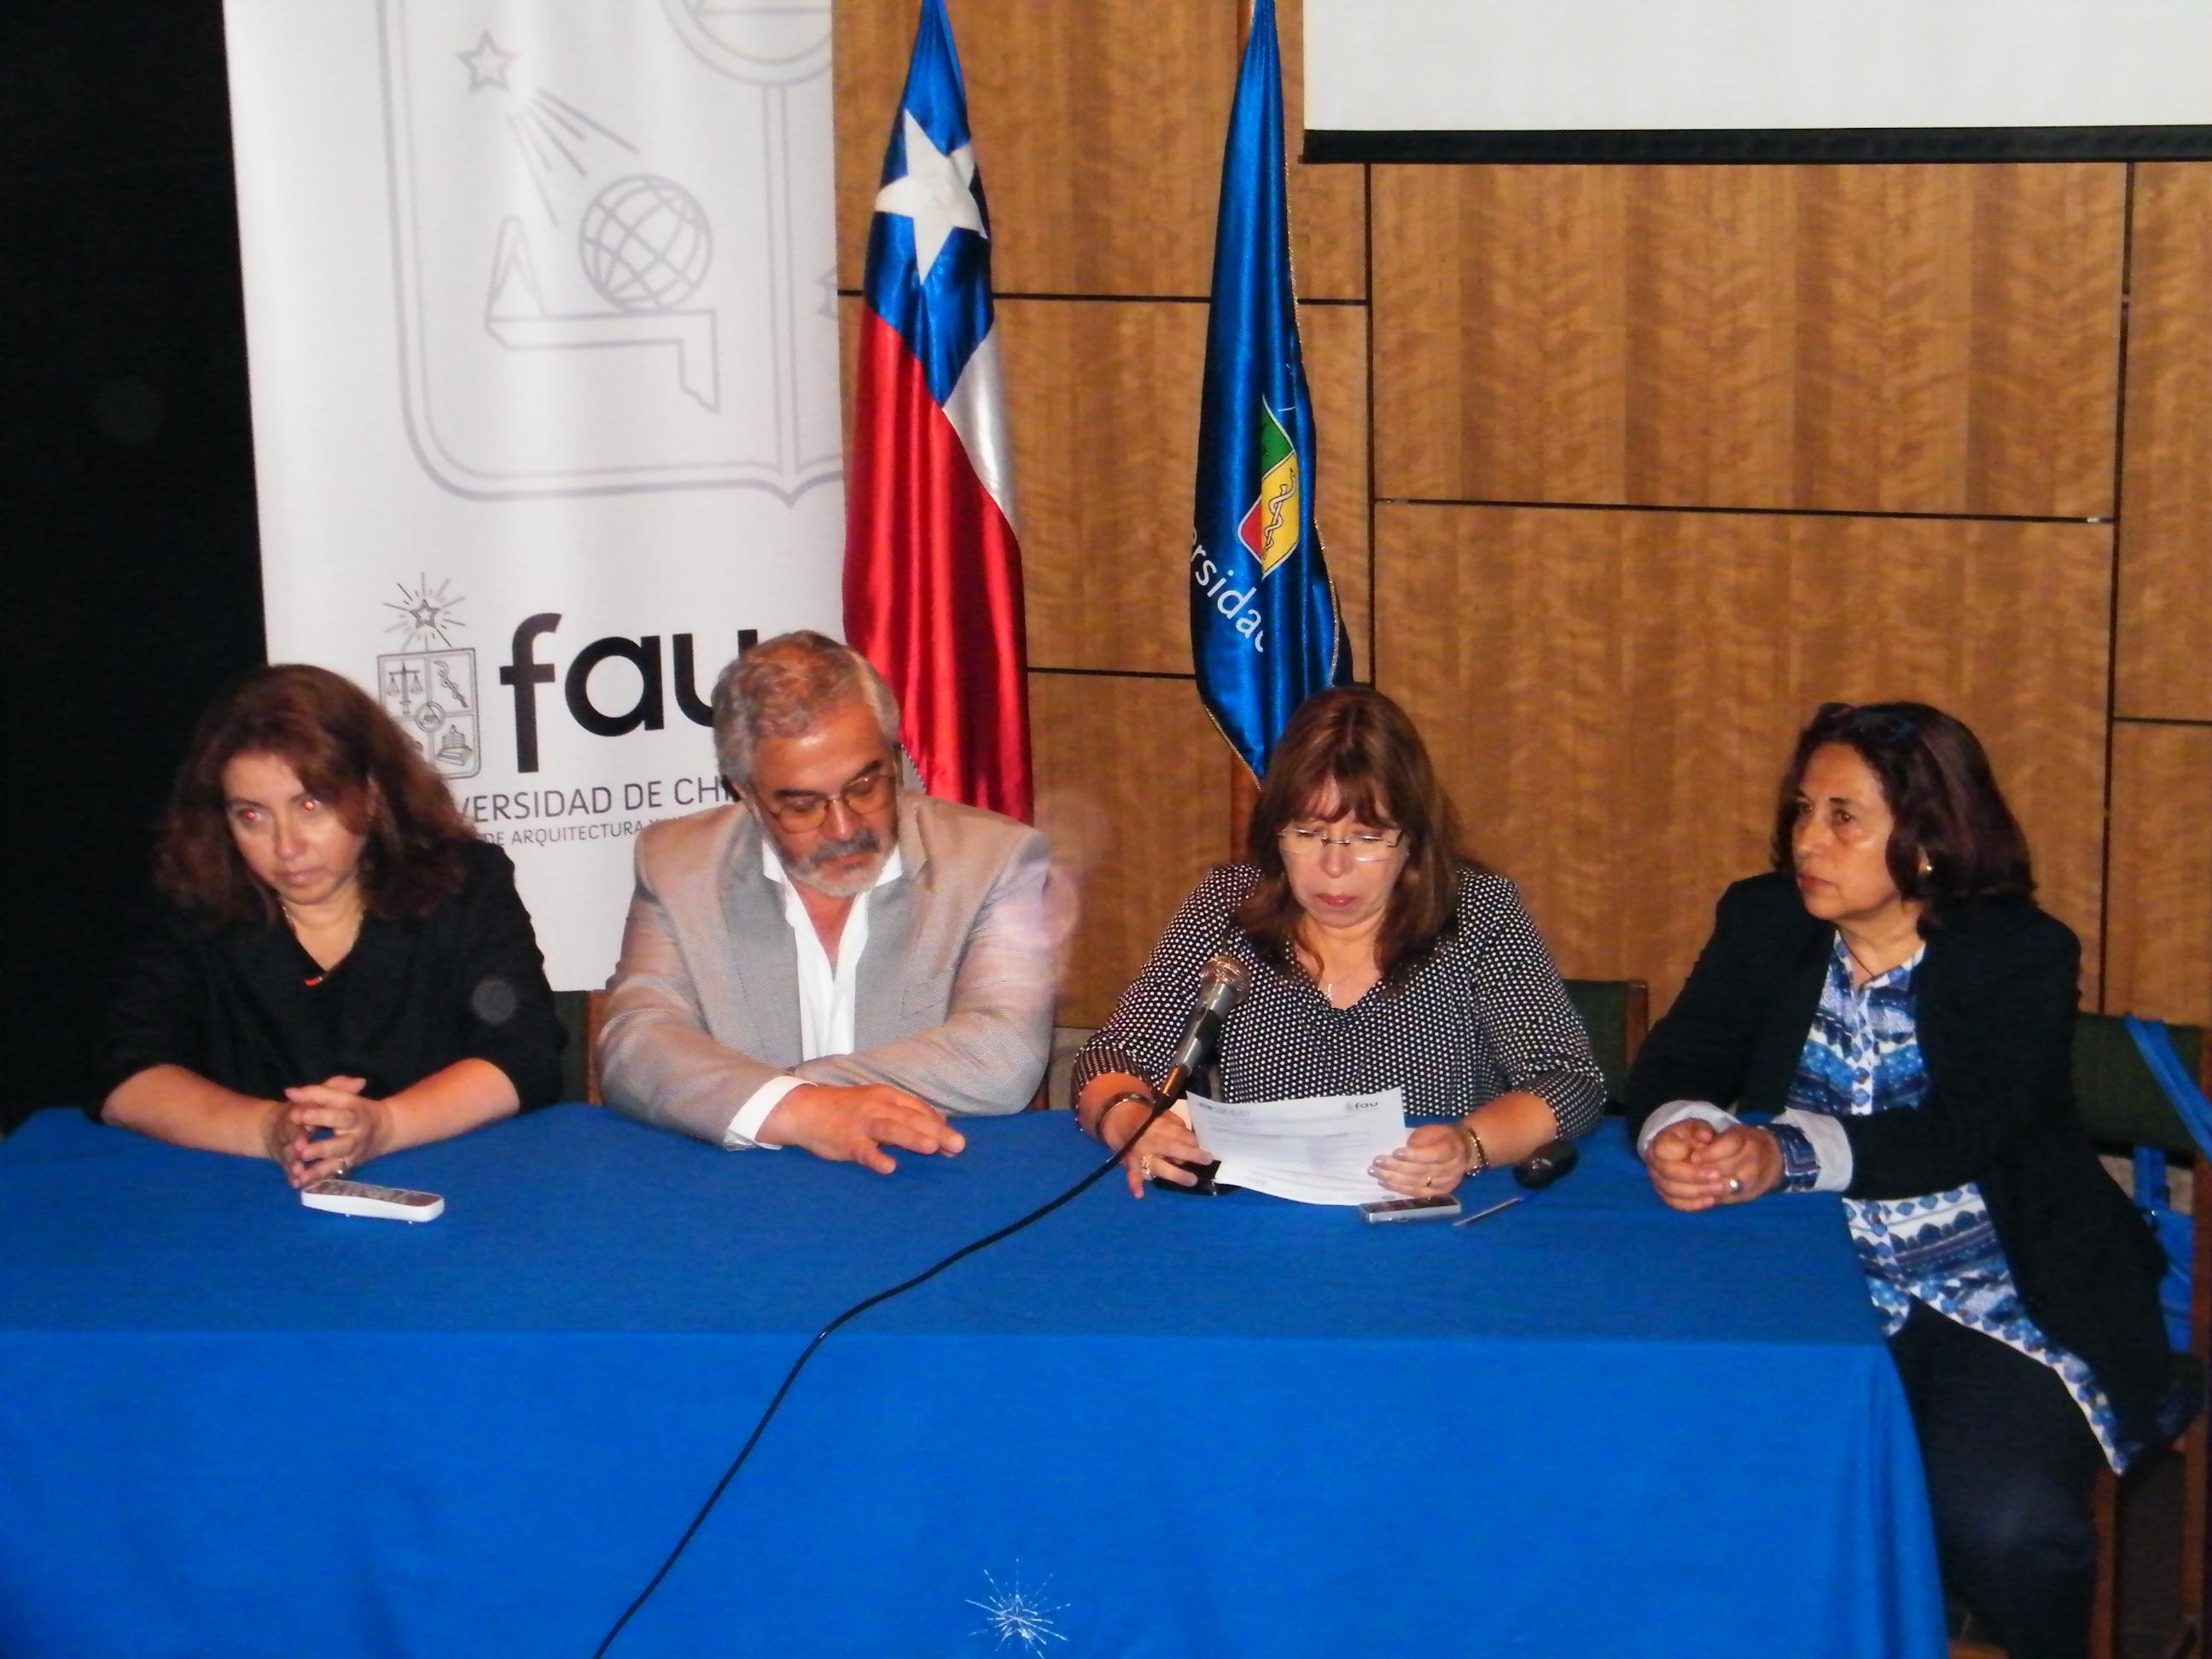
column 1675, row 1111
column 1831, row 1148
column 745, row 1129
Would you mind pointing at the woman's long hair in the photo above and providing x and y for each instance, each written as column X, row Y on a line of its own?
column 1355, row 751
column 348, row 753
column 1953, row 836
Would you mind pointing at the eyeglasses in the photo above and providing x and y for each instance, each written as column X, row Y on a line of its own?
column 1366, row 847
column 869, row 792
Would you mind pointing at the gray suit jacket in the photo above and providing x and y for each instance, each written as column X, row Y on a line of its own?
column 954, row 997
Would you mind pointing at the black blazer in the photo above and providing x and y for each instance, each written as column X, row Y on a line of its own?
column 248, row 1008
column 1996, row 993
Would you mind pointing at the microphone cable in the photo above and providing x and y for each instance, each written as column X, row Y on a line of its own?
column 760, row 1428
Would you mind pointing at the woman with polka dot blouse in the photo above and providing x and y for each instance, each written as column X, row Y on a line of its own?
column 1379, row 957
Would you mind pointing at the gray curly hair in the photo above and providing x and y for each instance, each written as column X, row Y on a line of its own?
column 784, row 686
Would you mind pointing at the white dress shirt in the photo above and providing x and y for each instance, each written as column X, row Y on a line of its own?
column 826, row 991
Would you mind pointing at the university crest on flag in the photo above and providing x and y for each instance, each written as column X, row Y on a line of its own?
column 1270, row 528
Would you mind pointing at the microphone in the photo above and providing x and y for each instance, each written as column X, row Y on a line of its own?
column 1220, row 988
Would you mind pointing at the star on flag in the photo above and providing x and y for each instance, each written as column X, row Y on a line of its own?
column 937, row 194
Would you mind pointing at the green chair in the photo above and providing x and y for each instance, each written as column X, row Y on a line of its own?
column 1617, row 1012
column 580, row 1018
column 2122, row 1105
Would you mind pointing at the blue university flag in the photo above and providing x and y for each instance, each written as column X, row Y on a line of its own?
column 1264, row 630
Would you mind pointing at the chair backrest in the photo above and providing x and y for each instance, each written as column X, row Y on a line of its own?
column 579, row 1012
column 1616, row 1012
column 2121, row 1102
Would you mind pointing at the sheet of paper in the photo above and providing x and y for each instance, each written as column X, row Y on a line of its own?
column 1315, row 1151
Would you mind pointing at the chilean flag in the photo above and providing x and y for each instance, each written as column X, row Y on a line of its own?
column 933, row 570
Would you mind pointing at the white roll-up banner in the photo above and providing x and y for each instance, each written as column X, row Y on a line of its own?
column 541, row 315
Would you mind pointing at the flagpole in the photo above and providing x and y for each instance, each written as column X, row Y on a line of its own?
column 1244, row 785
column 1244, row 796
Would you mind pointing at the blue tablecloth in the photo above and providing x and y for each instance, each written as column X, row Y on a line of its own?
column 232, row 1425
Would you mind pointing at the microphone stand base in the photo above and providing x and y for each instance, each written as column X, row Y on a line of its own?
column 1206, row 1187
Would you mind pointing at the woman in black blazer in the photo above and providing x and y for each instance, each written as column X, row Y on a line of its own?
column 1892, row 994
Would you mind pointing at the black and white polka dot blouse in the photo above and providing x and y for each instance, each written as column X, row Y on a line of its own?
column 1484, row 1016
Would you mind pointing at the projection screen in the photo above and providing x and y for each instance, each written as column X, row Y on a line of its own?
column 1757, row 80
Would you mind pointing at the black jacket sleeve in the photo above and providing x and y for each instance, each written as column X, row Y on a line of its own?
column 499, row 976
column 156, row 1010
column 1703, row 1049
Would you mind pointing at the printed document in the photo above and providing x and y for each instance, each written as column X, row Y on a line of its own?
column 1315, row 1151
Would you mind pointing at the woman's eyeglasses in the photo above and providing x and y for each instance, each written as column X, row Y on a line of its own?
column 1366, row 847
column 867, row 793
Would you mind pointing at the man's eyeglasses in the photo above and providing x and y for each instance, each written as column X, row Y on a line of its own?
column 869, row 792
column 1366, row 848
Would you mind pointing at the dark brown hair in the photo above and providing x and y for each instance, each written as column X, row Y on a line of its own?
column 1954, row 838
column 348, row 752
column 1355, row 747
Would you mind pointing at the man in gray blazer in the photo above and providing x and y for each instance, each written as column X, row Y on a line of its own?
column 835, row 964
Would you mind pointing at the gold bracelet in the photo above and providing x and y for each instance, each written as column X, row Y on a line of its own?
column 1478, row 1154
column 1142, row 1096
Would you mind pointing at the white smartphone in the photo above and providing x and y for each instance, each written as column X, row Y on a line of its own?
column 1411, row 1209
column 359, row 1198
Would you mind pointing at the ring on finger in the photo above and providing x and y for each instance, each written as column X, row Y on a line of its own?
column 1145, row 1166
column 1734, row 1185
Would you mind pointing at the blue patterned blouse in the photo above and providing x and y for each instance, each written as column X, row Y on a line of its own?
column 1862, row 1056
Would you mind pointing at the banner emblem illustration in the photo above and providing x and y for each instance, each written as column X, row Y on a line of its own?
column 432, row 695
column 583, row 307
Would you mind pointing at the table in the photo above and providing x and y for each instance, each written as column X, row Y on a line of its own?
column 232, row 1425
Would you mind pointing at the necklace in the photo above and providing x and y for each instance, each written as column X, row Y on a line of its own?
column 1868, row 968
column 1350, row 976
column 345, row 924
column 335, row 940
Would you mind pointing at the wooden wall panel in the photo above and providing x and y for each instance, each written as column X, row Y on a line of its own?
column 2165, row 491
column 1612, row 695
column 1130, row 779
column 2158, row 943
column 1612, row 691
column 1934, row 339
column 1097, row 128
column 1103, row 406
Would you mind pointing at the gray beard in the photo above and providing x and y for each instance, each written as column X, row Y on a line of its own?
column 808, row 870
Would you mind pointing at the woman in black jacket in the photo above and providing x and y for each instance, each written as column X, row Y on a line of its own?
column 1894, row 997
column 336, row 967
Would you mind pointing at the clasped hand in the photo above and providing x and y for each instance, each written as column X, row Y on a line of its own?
column 360, row 1129
column 1695, row 1166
